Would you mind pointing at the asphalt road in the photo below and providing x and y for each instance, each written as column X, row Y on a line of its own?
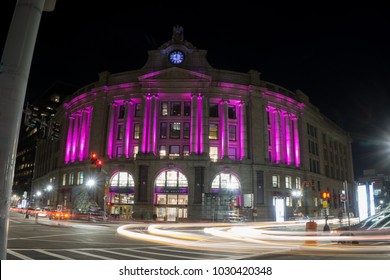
column 44, row 239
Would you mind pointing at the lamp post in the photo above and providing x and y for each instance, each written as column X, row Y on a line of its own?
column 91, row 183
column 48, row 190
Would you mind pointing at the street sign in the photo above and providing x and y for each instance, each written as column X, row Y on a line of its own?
column 59, row 208
column 343, row 197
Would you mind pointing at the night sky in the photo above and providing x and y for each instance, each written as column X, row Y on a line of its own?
column 340, row 59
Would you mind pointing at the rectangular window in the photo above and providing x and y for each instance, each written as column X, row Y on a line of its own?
column 174, row 151
column 161, row 199
column 214, row 153
column 163, row 130
column 232, row 112
column 288, row 182
column 64, row 179
column 174, row 130
column 71, row 179
column 163, row 151
column 80, row 178
column 137, row 111
column 164, row 108
column 135, row 151
column 213, row 131
column 186, row 130
column 136, row 131
column 186, row 150
column 120, row 132
column 232, row 133
column 298, row 183
column 175, row 108
column 213, row 110
column 187, row 109
column 275, row 181
column 122, row 110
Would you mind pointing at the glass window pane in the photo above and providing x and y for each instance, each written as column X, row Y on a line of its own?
column 174, row 132
column 175, row 108
column 187, row 109
column 161, row 199
column 182, row 199
column 213, row 110
column 164, row 108
column 172, row 199
column 213, row 131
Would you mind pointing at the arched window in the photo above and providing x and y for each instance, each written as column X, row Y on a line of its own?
column 122, row 180
column 171, row 179
column 225, row 181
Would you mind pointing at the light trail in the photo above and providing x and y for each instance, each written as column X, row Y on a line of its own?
column 253, row 238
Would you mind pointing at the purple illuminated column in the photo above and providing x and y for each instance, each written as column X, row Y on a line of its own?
column 297, row 150
column 83, row 133
column 242, row 120
column 111, row 129
column 127, row 125
column 275, row 127
column 224, row 130
column 75, row 138
column 146, row 124
column 68, row 150
column 199, row 137
column 288, row 139
column 194, row 124
column 283, row 154
column 153, row 125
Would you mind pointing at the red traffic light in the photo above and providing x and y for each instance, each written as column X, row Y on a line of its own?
column 99, row 162
column 93, row 158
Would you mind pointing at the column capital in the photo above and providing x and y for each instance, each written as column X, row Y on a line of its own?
column 150, row 95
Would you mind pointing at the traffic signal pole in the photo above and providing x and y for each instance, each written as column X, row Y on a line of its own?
column 14, row 72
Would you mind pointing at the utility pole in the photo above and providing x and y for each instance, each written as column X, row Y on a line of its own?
column 14, row 72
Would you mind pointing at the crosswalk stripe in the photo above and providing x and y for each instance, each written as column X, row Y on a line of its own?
column 160, row 254
column 52, row 254
column 123, row 254
column 18, row 255
column 204, row 253
column 89, row 254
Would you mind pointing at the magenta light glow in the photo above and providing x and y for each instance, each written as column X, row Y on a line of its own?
column 297, row 152
column 275, row 128
column 128, row 129
column 111, row 132
column 75, row 137
column 69, row 140
column 241, row 105
column 154, row 124
column 200, row 126
column 288, row 140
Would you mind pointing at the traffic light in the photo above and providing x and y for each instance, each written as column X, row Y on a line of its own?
column 42, row 132
column 108, row 203
column 93, row 158
column 55, row 130
column 325, row 195
column 99, row 164
column 32, row 118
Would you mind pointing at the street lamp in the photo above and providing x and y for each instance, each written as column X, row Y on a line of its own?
column 48, row 190
column 297, row 194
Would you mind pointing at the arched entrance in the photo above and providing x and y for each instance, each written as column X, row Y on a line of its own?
column 171, row 196
column 224, row 202
column 120, row 200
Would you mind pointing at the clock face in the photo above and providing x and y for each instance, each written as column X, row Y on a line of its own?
column 176, row 57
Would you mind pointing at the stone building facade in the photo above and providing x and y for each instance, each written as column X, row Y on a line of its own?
column 180, row 140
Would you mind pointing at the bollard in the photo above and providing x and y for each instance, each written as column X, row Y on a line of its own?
column 311, row 227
